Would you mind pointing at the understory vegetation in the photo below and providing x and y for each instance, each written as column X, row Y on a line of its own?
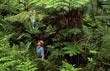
column 76, row 35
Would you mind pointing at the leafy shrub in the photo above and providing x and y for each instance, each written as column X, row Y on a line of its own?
column 68, row 67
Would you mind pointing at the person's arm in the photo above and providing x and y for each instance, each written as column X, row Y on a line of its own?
column 42, row 54
column 42, row 57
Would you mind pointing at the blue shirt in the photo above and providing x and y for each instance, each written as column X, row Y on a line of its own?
column 40, row 51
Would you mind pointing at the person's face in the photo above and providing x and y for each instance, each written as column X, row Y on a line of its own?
column 38, row 44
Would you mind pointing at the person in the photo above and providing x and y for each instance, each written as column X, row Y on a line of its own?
column 32, row 17
column 40, row 49
column 32, row 21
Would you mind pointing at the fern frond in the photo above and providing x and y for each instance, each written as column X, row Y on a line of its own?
column 68, row 67
column 71, row 49
column 7, row 58
column 21, row 17
column 103, row 17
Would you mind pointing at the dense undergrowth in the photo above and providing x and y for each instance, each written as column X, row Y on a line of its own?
column 76, row 35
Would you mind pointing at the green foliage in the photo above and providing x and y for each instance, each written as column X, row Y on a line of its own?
column 18, row 38
column 26, row 66
column 12, row 58
column 70, row 32
column 71, row 49
column 66, row 5
column 87, row 31
column 68, row 67
column 58, row 3
column 50, row 30
column 87, row 18
column 19, row 17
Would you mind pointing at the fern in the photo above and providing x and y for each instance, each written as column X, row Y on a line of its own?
column 47, row 4
column 19, row 17
column 26, row 66
column 70, row 32
column 50, row 30
column 71, row 49
column 87, row 31
column 106, row 17
column 17, row 38
column 12, row 56
column 68, row 67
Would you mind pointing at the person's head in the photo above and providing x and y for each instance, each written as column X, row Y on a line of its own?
column 40, row 43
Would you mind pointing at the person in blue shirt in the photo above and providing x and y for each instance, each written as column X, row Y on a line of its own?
column 40, row 49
